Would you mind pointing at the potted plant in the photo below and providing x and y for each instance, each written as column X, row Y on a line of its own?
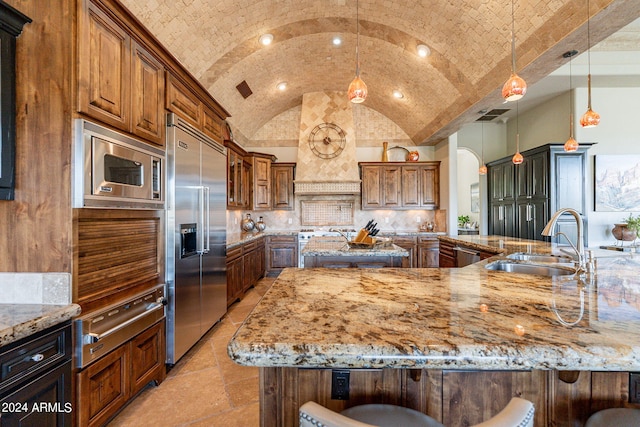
column 628, row 230
column 463, row 220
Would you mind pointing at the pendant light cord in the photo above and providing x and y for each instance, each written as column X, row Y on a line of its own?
column 357, row 37
column 570, row 101
column 513, row 38
column 589, row 53
column 517, row 126
column 482, row 146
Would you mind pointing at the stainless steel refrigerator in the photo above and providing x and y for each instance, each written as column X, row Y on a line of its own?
column 196, row 236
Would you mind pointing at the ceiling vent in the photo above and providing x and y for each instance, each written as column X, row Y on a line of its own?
column 487, row 116
column 244, row 89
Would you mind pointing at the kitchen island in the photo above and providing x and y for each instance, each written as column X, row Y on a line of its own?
column 454, row 343
column 335, row 252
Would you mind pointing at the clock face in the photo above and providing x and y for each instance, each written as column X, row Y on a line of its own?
column 327, row 140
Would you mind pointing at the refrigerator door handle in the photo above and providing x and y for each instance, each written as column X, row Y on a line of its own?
column 207, row 219
column 200, row 248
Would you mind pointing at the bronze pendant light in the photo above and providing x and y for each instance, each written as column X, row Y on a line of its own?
column 357, row 92
column 514, row 88
column 590, row 118
column 571, row 144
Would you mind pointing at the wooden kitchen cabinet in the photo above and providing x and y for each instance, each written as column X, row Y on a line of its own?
column 245, row 267
column 103, row 388
column 147, row 95
column 182, row 99
column 252, row 263
column 446, row 256
column 238, row 176
column 281, row 253
column 400, row 186
column 104, row 67
column 148, row 357
column 120, row 82
column 234, row 274
column 428, row 252
column 410, row 244
column 261, row 182
column 106, row 385
column 282, row 176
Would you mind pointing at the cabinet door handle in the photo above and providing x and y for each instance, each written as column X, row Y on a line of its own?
column 501, row 213
column 37, row 357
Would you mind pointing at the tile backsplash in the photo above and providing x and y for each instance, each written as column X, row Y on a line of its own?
column 35, row 288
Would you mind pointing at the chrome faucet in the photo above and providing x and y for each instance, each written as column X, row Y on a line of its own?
column 579, row 246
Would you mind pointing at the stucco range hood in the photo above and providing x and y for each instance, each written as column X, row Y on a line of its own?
column 326, row 187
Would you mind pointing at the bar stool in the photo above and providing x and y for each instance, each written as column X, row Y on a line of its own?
column 615, row 417
column 518, row 413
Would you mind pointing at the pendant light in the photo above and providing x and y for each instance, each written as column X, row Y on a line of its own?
column 483, row 169
column 357, row 92
column 590, row 118
column 514, row 88
column 517, row 158
column 571, row 144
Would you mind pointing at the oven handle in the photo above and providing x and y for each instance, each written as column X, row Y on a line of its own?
column 92, row 338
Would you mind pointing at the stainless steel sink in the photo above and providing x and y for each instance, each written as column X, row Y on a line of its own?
column 531, row 257
column 527, row 268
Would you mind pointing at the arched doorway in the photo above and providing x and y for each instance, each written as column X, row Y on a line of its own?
column 469, row 191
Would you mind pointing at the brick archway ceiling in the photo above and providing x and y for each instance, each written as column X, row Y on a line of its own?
column 469, row 40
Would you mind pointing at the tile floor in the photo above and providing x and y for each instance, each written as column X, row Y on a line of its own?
column 205, row 388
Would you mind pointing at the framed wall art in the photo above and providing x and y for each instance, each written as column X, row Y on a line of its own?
column 617, row 183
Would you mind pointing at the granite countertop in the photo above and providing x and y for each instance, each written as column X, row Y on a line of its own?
column 338, row 246
column 466, row 318
column 19, row 321
column 237, row 239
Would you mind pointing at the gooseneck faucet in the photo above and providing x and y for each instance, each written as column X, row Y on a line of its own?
column 579, row 246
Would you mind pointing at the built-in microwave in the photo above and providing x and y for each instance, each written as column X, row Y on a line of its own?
column 116, row 171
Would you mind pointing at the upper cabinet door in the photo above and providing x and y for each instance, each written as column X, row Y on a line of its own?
column 147, row 91
column 430, row 186
column 104, row 55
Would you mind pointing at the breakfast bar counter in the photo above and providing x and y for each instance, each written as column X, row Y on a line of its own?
column 422, row 337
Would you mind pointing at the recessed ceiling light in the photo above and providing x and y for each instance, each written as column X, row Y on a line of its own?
column 423, row 51
column 397, row 94
column 266, row 39
column 337, row 41
column 282, row 85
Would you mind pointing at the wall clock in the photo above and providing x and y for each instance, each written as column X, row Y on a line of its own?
column 327, row 140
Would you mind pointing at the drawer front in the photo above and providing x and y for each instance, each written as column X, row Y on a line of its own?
column 283, row 239
column 250, row 246
column 32, row 356
column 234, row 253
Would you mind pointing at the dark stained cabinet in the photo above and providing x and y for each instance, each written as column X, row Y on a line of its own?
column 411, row 245
column 446, row 257
column 400, row 186
column 245, row 267
column 261, row 181
column 428, row 252
column 282, row 176
column 282, row 252
column 238, row 176
column 523, row 197
column 35, row 376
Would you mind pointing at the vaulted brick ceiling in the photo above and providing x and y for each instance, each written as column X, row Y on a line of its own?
column 217, row 41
